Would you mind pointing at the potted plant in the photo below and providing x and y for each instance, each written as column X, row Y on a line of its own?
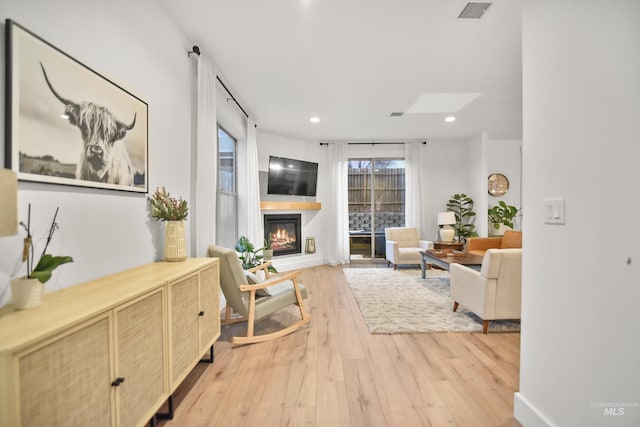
column 174, row 211
column 462, row 206
column 500, row 217
column 267, row 251
column 27, row 291
column 248, row 254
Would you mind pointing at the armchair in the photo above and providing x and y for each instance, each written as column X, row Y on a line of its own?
column 254, row 302
column 403, row 246
column 493, row 292
column 479, row 245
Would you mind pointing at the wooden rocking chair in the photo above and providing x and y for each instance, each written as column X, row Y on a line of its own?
column 254, row 302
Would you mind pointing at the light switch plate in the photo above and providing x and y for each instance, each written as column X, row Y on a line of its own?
column 554, row 210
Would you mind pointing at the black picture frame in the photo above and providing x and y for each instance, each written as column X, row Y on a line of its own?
column 66, row 123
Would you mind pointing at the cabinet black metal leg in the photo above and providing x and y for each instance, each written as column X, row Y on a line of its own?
column 166, row 415
column 152, row 422
column 211, row 356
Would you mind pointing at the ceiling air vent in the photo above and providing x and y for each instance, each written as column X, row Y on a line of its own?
column 474, row 10
column 396, row 114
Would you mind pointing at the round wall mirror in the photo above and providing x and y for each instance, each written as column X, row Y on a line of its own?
column 498, row 184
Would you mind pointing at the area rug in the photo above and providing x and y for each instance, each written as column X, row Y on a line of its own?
column 393, row 302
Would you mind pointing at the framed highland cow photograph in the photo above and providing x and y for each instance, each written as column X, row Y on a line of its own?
column 67, row 124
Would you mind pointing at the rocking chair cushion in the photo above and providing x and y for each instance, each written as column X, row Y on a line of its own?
column 253, row 279
column 282, row 296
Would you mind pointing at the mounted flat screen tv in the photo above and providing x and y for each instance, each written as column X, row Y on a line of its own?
column 292, row 177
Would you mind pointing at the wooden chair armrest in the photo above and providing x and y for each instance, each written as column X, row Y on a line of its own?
column 264, row 266
column 271, row 282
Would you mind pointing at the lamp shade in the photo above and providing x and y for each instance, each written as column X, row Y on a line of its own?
column 446, row 218
column 8, row 202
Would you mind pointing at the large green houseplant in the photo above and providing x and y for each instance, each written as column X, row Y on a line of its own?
column 462, row 206
column 502, row 214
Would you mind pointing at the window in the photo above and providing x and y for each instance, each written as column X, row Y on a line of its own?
column 376, row 201
column 227, row 217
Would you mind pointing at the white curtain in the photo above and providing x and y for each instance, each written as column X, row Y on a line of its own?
column 203, row 214
column 338, row 233
column 414, row 183
column 255, row 230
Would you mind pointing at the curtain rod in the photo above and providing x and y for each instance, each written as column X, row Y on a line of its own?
column 196, row 50
column 232, row 97
column 375, row 143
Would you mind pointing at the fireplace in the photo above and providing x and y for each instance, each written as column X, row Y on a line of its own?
column 284, row 232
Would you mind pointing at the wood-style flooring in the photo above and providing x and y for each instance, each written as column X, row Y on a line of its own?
column 333, row 372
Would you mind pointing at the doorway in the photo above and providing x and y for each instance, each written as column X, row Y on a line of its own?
column 376, row 201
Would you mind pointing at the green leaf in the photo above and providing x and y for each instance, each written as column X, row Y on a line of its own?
column 46, row 265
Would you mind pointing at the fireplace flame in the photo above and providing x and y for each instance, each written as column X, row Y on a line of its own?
column 280, row 239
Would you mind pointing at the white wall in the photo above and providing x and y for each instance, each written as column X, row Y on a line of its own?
column 580, row 341
column 460, row 166
column 447, row 174
column 505, row 157
column 314, row 223
column 478, row 166
column 137, row 46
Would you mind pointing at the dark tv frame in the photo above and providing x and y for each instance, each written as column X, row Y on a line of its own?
column 295, row 178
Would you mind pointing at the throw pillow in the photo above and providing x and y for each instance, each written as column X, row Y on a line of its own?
column 254, row 280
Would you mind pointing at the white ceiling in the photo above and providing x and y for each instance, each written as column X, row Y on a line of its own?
column 354, row 62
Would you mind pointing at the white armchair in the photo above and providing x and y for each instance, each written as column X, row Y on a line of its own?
column 493, row 292
column 403, row 246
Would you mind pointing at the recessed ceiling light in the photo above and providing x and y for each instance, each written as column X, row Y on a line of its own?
column 449, row 119
column 314, row 119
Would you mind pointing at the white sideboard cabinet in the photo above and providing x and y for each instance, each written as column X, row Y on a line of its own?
column 111, row 351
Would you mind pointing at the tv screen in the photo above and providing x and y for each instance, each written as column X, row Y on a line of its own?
column 291, row 177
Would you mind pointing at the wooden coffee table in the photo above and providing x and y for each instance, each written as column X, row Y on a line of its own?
column 443, row 257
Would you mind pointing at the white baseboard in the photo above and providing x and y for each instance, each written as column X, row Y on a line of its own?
column 526, row 414
column 294, row 262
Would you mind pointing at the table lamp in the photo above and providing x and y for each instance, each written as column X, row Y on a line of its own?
column 445, row 219
column 8, row 202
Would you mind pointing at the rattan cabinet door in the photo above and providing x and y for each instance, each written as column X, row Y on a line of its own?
column 183, row 327
column 140, row 358
column 66, row 381
column 209, row 307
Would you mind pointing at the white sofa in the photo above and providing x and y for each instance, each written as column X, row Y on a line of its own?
column 403, row 246
column 494, row 291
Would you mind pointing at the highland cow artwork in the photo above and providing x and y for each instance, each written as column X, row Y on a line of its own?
column 67, row 124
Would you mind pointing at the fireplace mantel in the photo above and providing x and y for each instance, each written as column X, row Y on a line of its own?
column 284, row 206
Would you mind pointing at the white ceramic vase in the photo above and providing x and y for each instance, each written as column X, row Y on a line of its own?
column 26, row 293
column 497, row 232
column 175, row 245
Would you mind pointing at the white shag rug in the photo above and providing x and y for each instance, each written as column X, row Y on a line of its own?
column 393, row 302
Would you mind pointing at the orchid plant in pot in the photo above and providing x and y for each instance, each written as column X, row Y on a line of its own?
column 174, row 211
column 27, row 291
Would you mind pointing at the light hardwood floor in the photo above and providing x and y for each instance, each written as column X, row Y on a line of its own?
column 333, row 372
